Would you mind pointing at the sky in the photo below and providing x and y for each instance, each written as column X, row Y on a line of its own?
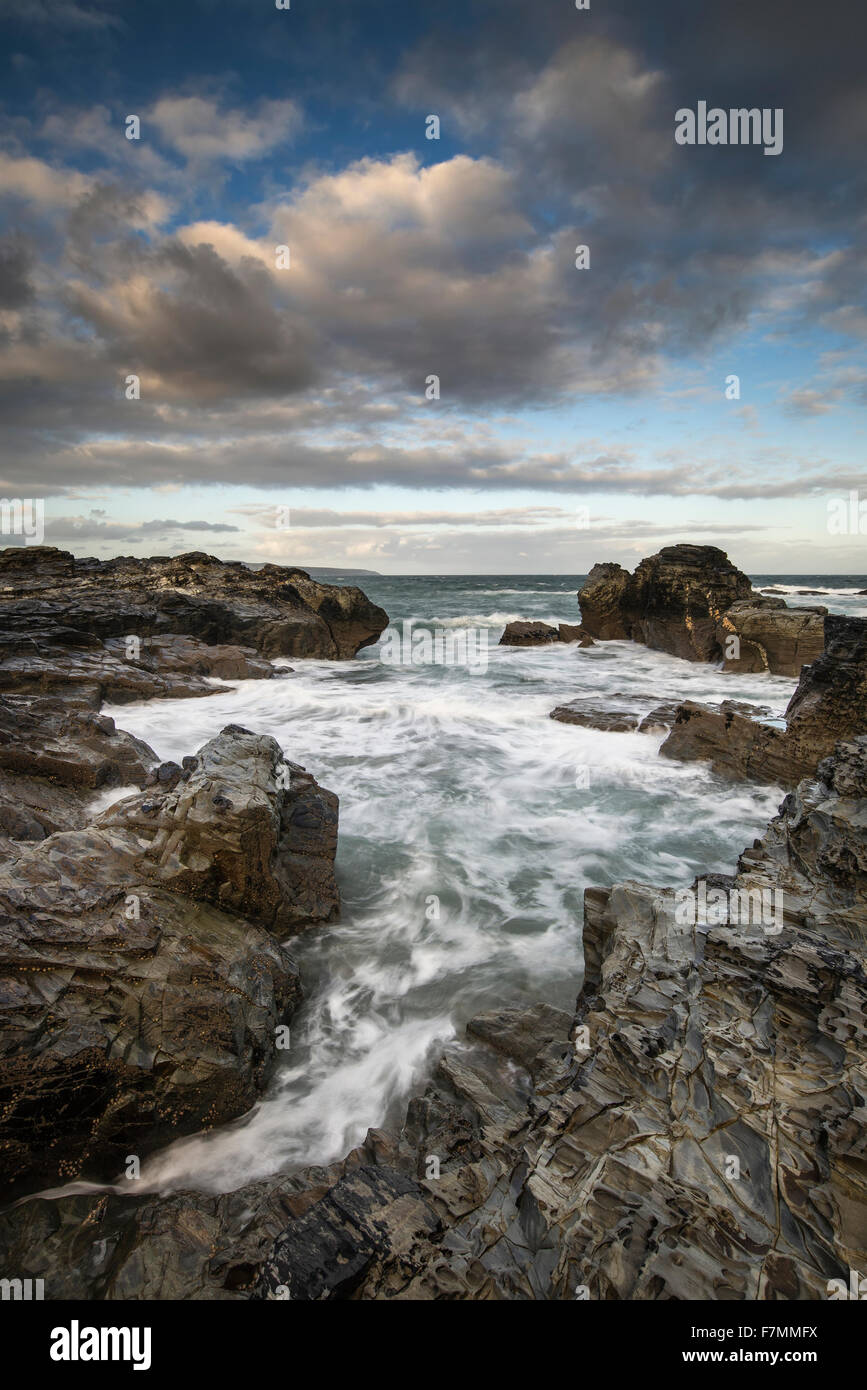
column 283, row 324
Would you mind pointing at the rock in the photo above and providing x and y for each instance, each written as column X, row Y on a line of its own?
column 695, row 1131
column 826, row 708
column 572, row 632
column 277, row 611
column 673, row 602
column 662, row 716
column 53, row 760
column 619, row 713
column 689, row 600
column 117, row 1245
column 142, row 964
column 528, row 634
column 777, row 639
column 603, row 600
column 534, row 634
column 591, row 714
column 737, row 746
column 328, row 1252
column 83, row 671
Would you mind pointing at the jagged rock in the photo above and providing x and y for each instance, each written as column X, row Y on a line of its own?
column 83, row 671
column 737, row 746
column 589, row 713
column 53, row 759
column 662, row 716
column 142, row 970
column 189, row 1245
column 573, row 632
column 46, row 593
column 602, row 598
column 370, row 1213
column 772, row 638
column 534, row 634
column 689, row 600
column 695, row 1131
column 673, row 602
column 826, row 708
column 624, row 713
column 528, row 634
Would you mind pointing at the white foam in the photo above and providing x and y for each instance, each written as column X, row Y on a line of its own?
column 462, row 790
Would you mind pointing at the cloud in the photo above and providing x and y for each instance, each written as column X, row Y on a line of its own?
column 410, row 264
column 16, row 261
column 807, row 402
column 40, row 183
column 58, row 14
column 78, row 530
column 199, row 130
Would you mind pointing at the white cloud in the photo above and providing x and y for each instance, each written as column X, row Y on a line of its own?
column 196, row 128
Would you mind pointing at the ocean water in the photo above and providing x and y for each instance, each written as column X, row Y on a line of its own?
column 470, row 825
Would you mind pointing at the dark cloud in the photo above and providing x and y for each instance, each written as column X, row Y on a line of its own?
column 64, row 530
column 16, row 262
column 462, row 267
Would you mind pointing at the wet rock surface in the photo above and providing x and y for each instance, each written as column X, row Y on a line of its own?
column 143, row 968
column 56, row 601
column 689, row 600
column 627, row 713
column 53, row 760
column 828, row 706
column 772, row 637
column 84, row 671
column 535, row 634
column 694, row 1131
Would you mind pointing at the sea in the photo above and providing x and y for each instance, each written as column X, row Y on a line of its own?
column 470, row 825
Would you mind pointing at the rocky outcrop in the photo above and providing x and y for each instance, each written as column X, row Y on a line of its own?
column 827, row 707
column 54, row 601
column 54, row 759
column 690, row 600
column 603, row 598
column 771, row 637
column 84, row 671
column 528, row 634
column 694, row 1131
column 628, row 713
column 534, row 634
column 143, row 968
column 697, row 1130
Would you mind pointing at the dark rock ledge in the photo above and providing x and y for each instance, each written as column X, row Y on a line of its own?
column 536, row 634
column 143, row 964
column 65, row 623
column 828, row 705
column 695, row 1131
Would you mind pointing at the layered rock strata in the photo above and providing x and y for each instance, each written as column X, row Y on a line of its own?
column 694, row 1131
column 690, row 601
column 143, row 964
column 828, row 706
